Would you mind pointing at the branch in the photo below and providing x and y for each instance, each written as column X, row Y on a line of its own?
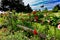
column 43, row 36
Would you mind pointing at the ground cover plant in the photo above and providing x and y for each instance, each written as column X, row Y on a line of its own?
column 44, row 23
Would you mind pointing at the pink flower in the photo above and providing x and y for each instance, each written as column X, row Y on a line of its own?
column 59, row 26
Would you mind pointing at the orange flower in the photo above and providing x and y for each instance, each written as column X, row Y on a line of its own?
column 35, row 32
column 34, row 12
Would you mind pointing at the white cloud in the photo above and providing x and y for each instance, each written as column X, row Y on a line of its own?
column 31, row 2
column 49, row 6
column 0, row 0
column 28, row 1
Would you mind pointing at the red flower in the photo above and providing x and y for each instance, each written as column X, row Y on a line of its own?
column 36, row 18
column 35, row 32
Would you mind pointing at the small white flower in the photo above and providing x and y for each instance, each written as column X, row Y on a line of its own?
column 48, row 21
column 34, row 19
column 45, row 15
column 22, row 31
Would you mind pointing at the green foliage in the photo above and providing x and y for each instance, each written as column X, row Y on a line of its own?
column 45, row 10
column 46, row 24
column 55, row 9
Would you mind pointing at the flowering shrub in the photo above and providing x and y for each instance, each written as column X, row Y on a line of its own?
column 42, row 22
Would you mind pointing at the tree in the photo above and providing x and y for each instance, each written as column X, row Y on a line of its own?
column 28, row 8
column 39, row 10
column 45, row 10
column 15, row 5
column 56, row 8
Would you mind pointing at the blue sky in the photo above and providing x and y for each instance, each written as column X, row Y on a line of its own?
column 35, row 4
